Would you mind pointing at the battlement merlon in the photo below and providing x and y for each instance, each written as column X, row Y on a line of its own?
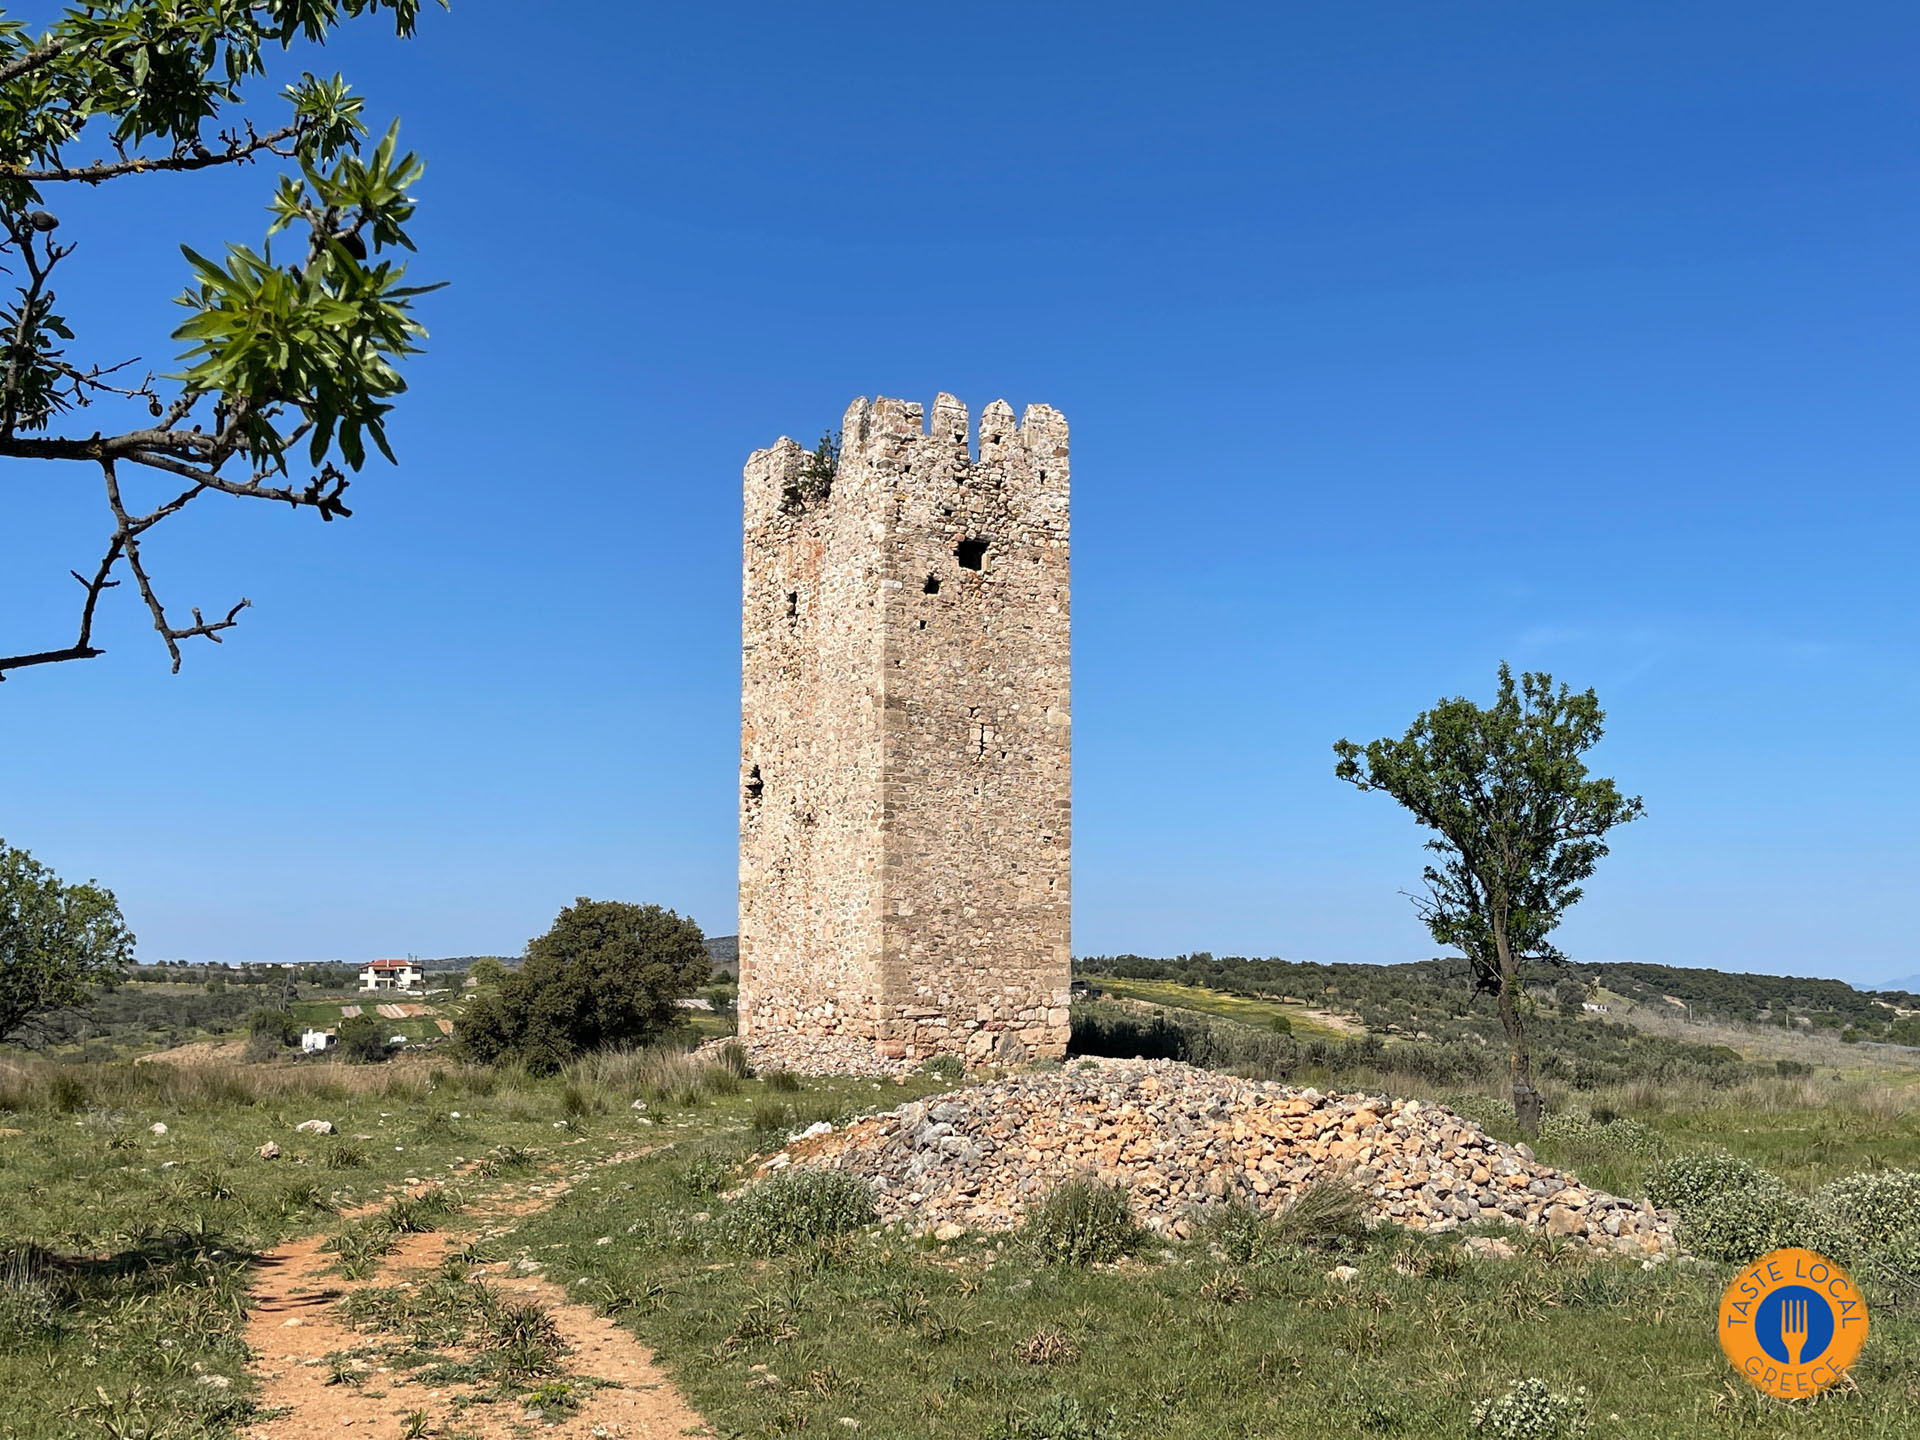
column 895, row 439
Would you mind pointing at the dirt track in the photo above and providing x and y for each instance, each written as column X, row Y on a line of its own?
column 296, row 1323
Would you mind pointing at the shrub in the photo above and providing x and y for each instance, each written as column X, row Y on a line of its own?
column 1243, row 1233
column 1877, row 1207
column 1691, row 1181
column 1615, row 1135
column 1533, row 1410
column 706, row 1174
column 362, row 1041
column 607, row 973
column 947, row 1069
column 1732, row 1211
column 1083, row 1222
column 279, row 1026
column 784, row 1081
column 796, row 1208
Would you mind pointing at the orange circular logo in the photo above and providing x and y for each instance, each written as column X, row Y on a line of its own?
column 1791, row 1322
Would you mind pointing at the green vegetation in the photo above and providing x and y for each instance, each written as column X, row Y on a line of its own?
column 1239, row 1331
column 607, row 974
column 286, row 361
column 1518, row 825
column 1261, row 1011
column 56, row 940
column 1081, row 1222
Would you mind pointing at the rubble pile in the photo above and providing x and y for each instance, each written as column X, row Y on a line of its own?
column 1179, row 1139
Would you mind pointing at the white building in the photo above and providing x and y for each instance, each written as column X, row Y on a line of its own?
column 314, row 1041
column 401, row 975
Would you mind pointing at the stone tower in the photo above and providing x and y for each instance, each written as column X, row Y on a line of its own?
column 905, row 748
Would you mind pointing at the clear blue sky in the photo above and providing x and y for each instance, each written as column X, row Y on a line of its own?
column 1396, row 340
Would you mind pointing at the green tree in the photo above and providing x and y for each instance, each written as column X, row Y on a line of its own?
column 607, row 973
column 289, row 361
column 362, row 1040
column 56, row 940
column 1518, row 824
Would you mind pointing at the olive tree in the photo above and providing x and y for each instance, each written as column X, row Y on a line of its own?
column 1517, row 824
column 56, row 941
column 289, row 365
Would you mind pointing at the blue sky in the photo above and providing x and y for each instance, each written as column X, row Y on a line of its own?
column 1396, row 340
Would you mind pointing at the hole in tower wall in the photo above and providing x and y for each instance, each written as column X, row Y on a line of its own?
column 793, row 604
column 756, row 787
column 932, row 587
column 970, row 553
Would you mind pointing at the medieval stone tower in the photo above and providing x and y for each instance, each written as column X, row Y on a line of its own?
column 905, row 748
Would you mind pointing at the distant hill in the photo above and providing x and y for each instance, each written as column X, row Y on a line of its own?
column 1425, row 994
column 725, row 950
column 1910, row 986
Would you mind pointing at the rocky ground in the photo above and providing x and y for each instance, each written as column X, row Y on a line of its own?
column 1179, row 1139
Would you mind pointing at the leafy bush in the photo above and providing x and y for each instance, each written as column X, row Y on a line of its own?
column 362, row 1040
column 1695, row 1180
column 607, row 973
column 1730, row 1210
column 1743, row 1225
column 796, row 1208
column 1617, row 1135
column 278, row 1026
column 1082, row 1222
column 1533, row 1410
column 1877, row 1207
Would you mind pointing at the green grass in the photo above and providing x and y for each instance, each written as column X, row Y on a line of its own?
column 150, row 1239
column 1246, row 1009
column 976, row 1338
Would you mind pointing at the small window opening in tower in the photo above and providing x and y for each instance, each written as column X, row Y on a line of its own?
column 932, row 587
column 793, row 604
column 970, row 553
column 756, row 787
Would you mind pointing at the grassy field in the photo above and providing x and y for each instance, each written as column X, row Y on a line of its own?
column 125, row 1262
column 973, row 1338
column 1248, row 1010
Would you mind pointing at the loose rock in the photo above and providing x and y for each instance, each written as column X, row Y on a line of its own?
column 1181, row 1140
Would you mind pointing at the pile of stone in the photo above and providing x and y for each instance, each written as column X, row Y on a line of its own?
column 1180, row 1139
column 811, row 1055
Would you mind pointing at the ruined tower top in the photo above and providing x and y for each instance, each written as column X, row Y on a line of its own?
column 905, row 742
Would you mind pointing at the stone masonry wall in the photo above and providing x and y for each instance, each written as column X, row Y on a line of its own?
column 906, row 795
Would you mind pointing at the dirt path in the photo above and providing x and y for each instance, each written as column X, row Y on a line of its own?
column 301, row 1342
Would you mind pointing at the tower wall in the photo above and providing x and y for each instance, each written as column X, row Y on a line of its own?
column 905, row 743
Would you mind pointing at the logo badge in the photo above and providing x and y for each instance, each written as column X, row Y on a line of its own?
column 1792, row 1323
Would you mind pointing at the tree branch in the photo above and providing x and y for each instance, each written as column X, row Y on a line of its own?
column 238, row 151
column 26, row 64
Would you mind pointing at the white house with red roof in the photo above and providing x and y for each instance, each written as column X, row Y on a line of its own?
column 392, row 975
